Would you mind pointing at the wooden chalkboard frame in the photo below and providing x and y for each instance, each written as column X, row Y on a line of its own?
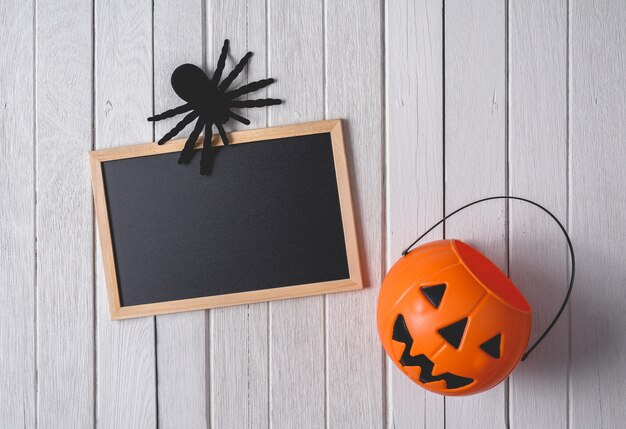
column 354, row 282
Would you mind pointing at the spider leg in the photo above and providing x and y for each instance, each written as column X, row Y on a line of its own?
column 172, row 112
column 238, row 118
column 235, row 72
column 220, row 65
column 187, row 152
column 223, row 135
column 205, row 160
column 251, row 87
column 254, row 103
column 179, row 127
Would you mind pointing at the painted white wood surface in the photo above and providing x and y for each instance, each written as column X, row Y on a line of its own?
column 598, row 202
column 537, row 160
column 65, row 293
column 18, row 343
column 444, row 103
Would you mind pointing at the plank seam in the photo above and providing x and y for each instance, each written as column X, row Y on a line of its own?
column 568, row 417
column 203, row 24
column 384, row 203
column 443, row 144
column 93, row 227
column 208, row 378
column 267, row 47
column 507, row 182
column 325, row 297
column 248, row 365
column 35, row 245
column 443, row 113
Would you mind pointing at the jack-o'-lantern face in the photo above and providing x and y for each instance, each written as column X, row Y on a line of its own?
column 451, row 320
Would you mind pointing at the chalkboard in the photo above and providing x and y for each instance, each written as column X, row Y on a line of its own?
column 273, row 220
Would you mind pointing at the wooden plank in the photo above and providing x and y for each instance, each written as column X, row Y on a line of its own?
column 181, row 346
column 414, row 177
column 353, row 91
column 475, row 157
column 296, row 327
column 17, row 217
column 65, row 295
column 598, row 108
column 538, row 171
column 239, row 338
column 125, row 361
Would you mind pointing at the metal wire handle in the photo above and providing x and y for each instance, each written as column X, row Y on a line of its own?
column 569, row 243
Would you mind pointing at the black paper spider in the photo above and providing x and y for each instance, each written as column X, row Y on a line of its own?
column 209, row 102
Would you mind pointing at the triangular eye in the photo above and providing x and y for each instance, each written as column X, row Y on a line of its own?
column 492, row 346
column 453, row 334
column 400, row 331
column 434, row 294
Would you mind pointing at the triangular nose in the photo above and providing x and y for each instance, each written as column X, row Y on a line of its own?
column 453, row 333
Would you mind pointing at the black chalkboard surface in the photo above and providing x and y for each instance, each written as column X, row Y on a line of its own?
column 273, row 220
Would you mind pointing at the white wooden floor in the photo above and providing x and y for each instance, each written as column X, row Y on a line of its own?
column 445, row 102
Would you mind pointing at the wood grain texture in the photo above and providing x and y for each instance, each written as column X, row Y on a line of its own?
column 414, row 173
column 598, row 108
column 296, row 327
column 537, row 248
column 239, row 339
column 353, row 91
column 181, row 340
column 125, row 360
column 65, row 294
column 17, row 219
column 475, row 158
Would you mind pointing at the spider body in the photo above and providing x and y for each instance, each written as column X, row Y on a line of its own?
column 209, row 103
column 192, row 85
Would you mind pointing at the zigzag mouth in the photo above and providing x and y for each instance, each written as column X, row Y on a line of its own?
column 402, row 334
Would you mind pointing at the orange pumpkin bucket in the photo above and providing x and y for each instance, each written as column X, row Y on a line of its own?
column 451, row 320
